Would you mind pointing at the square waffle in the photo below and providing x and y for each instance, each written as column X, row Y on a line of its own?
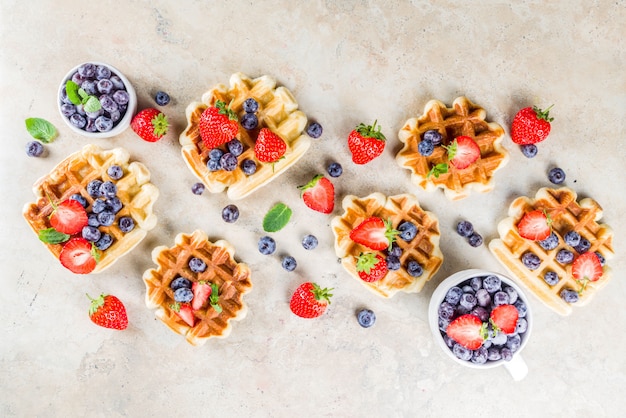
column 278, row 111
column 566, row 214
column 73, row 174
column 232, row 278
column 424, row 248
column 463, row 118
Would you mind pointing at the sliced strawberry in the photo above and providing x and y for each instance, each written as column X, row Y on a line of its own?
column 78, row 255
column 505, row 318
column 185, row 312
column 374, row 233
column 269, row 147
column 463, row 152
column 534, row 226
column 587, row 268
column 319, row 194
column 467, row 330
column 68, row 217
column 371, row 267
column 201, row 292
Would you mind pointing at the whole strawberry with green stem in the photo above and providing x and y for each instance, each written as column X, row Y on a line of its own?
column 366, row 142
column 371, row 267
column 218, row 124
column 150, row 124
column 309, row 300
column 108, row 312
column 531, row 125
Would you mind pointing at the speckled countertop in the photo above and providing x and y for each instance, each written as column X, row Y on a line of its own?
column 345, row 62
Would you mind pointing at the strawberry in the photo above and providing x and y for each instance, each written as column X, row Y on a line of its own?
column 319, row 194
column 504, row 318
column 108, row 312
column 150, row 124
column 201, row 292
column 309, row 300
column 534, row 226
column 586, row 268
column 269, row 147
column 463, row 152
column 68, row 217
column 467, row 330
column 374, row 233
column 217, row 125
column 531, row 125
column 371, row 267
column 366, row 142
column 79, row 256
column 185, row 312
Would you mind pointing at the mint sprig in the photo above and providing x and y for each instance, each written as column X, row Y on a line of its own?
column 277, row 217
column 215, row 297
column 41, row 129
column 78, row 95
column 52, row 236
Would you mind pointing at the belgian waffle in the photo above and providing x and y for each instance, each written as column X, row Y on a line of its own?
column 278, row 111
column 463, row 118
column 73, row 174
column 424, row 248
column 566, row 214
column 232, row 278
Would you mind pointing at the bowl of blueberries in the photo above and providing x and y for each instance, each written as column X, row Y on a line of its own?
column 481, row 319
column 96, row 100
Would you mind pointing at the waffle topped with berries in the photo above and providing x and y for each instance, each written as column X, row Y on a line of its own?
column 197, row 287
column 567, row 268
column 432, row 166
column 273, row 111
column 124, row 208
column 418, row 256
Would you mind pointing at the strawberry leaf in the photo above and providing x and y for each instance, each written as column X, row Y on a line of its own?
column 41, row 129
column 276, row 218
column 52, row 236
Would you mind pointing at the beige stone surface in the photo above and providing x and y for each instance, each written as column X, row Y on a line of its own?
column 345, row 62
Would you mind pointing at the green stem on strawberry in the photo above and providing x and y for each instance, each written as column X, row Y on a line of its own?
column 224, row 110
column 543, row 114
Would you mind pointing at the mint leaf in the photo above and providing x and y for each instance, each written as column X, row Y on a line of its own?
column 41, row 129
column 438, row 169
column 215, row 297
column 71, row 89
column 83, row 95
column 92, row 104
column 52, row 236
column 276, row 218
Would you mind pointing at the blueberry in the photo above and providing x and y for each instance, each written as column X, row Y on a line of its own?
column 314, row 130
column 481, row 313
column 521, row 307
column 447, row 340
column 601, row 258
column 215, row 154
column 433, row 136
column 492, row 283
column 498, row 338
column 121, row 97
column 162, row 98
column 235, row 147
column 87, row 70
column 90, row 87
column 289, row 263
column 529, row 150
column 551, row 278
column 250, row 105
column 550, row 243
column 507, row 354
column 501, row 298
column 521, row 326
column 334, row 169
column 248, row 167
column 117, row 82
column 105, row 86
column 393, row 263
column 564, row 256
column 180, row 282
column 493, row 354
column 91, row 125
column 468, row 301
column 102, row 72
column 230, row 213
column 513, row 342
column 443, row 325
column 446, row 311
column 91, row 233
column 531, row 260
column 106, row 218
column 408, row 230
column 464, row 228
column 556, row 175
column 467, row 289
column 183, row 295
column 479, row 356
column 115, row 172
column 462, row 352
column 114, row 204
column 572, row 238
column 453, row 295
column 98, row 206
column 475, row 240
column 425, row 148
column 483, row 297
column 107, row 103
column 126, row 224
column 67, row 110
column 569, row 296
column 92, row 220
column 197, row 265
column 80, row 199
column 267, row 245
column 249, row 121
column 108, row 189
column 197, row 188
column 104, row 242
column 34, row 149
column 78, row 120
column 213, row 165
column 583, row 246
column 309, row 242
column 414, row 268
column 513, row 295
column 366, row 318
column 395, row 250
column 476, row 283
column 228, row 162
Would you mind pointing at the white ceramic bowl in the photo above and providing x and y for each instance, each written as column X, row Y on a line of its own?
column 516, row 366
column 123, row 123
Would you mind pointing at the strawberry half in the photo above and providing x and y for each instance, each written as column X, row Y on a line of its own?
column 463, row 152
column 586, row 268
column 319, row 194
column 531, row 125
column 374, row 233
column 371, row 267
column 467, row 330
column 309, row 300
column 504, row 317
column 201, row 292
column 68, row 217
column 185, row 312
column 366, row 142
column 150, row 124
column 534, row 226
column 79, row 256
column 217, row 125
column 269, row 147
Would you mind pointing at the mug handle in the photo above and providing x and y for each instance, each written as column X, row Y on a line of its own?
column 516, row 367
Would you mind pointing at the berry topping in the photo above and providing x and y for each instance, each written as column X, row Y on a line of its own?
column 180, row 282
column 314, row 130
column 184, row 311
column 250, row 105
column 78, row 256
column 235, row 147
column 249, row 121
column 366, row 318
column 68, row 217
column 407, row 231
column 80, row 199
column 115, row 172
column 556, row 175
column 150, row 124
column 586, row 268
column 531, row 260
column 534, row 226
column 529, row 150
column 572, row 238
column 109, row 312
column 309, row 300
column 197, row 265
column 569, row 295
column 104, row 242
column 201, row 291
column 433, row 136
column 228, row 162
column 319, row 194
column 248, row 167
column 269, row 147
column 91, row 233
column 217, row 125
column 504, row 317
column 531, row 125
column 393, row 262
column 374, row 233
column 162, row 98
column 365, row 143
column 371, row 267
column 183, row 295
column 425, row 147
column 463, row 152
column 550, row 243
column 468, row 331
column 564, row 256
column 414, row 269
column 551, row 278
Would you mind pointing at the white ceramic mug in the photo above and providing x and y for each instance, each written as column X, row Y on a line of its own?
column 516, row 366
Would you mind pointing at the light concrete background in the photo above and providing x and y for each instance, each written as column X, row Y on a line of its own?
column 346, row 62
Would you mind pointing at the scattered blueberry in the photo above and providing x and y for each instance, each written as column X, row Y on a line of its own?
column 80, row 199
column 393, row 263
column 230, row 213
column 464, row 228
column 197, row 188
column 250, row 105
column 183, row 295
column 162, row 98
column 314, row 130
column 289, row 263
column 104, row 242
column 564, row 256
column 197, row 265
column 34, row 149
column 529, row 150
column 91, row 233
column 572, row 238
column 425, row 148
column 407, row 230
column 235, row 147
column 267, row 245
column 569, row 296
column 414, row 268
column 556, row 175
column 551, row 278
column 126, row 224
column 228, row 162
column 433, row 136
column 366, row 318
column 309, row 242
column 180, row 282
column 531, row 260
column 334, row 169
column 249, row 121
column 475, row 240
column 550, row 243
